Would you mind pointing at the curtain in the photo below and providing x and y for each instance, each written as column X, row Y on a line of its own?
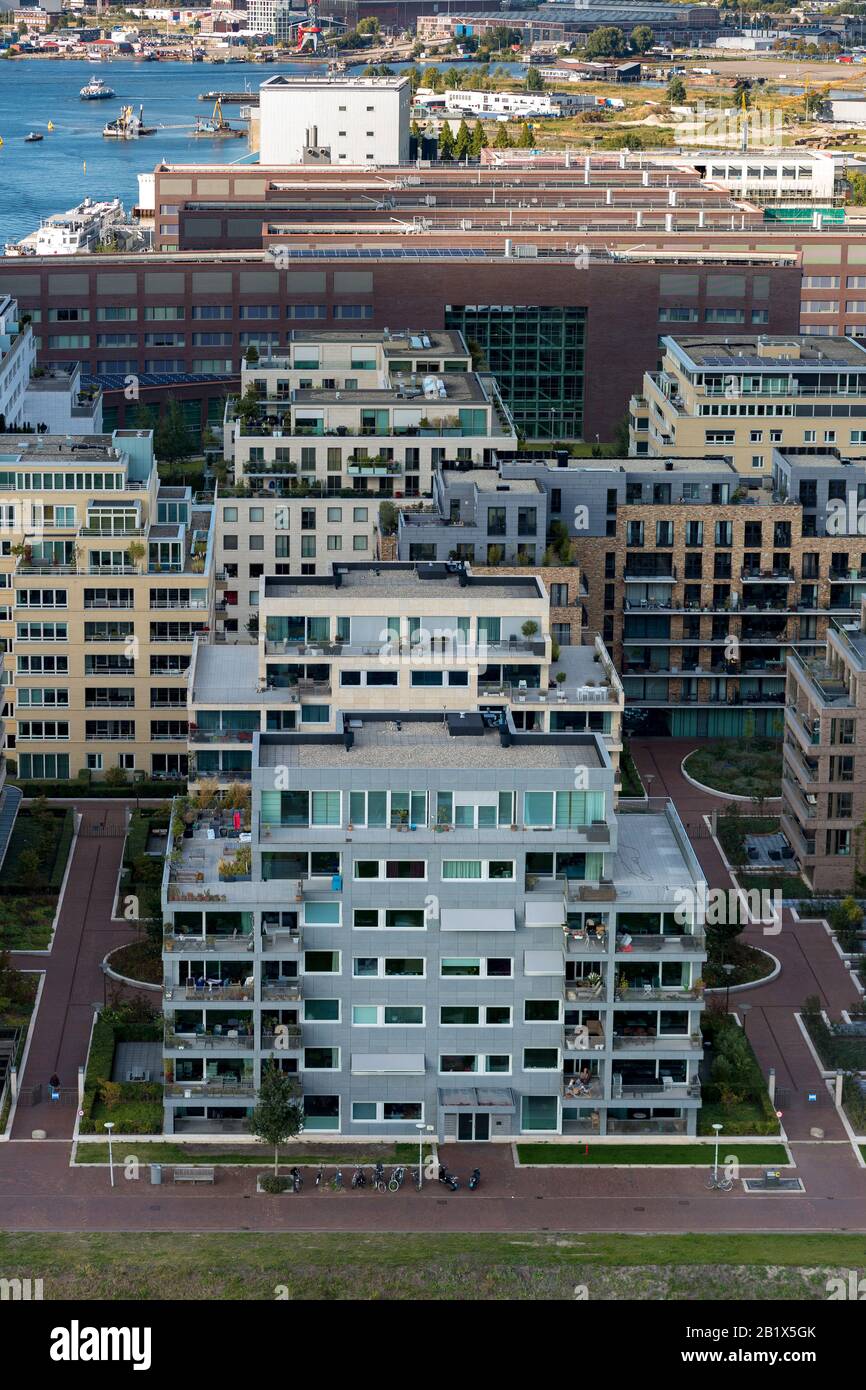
column 461, row 868
column 538, row 808
column 326, row 808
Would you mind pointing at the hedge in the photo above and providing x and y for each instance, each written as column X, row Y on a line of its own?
column 140, row 825
column 62, row 854
column 107, row 1033
column 836, row 1054
column 99, row 791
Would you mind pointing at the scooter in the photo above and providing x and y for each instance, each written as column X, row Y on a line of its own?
column 475, row 1179
column 297, row 1180
column 448, row 1179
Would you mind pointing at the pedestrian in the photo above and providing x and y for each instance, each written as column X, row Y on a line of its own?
column 54, row 1083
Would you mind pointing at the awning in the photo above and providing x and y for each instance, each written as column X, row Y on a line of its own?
column 388, row 1064
column 543, row 963
column 476, row 1098
column 477, row 919
column 545, row 913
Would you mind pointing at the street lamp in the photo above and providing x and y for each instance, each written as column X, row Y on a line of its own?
column 744, row 1009
column 109, row 1125
column 717, row 1127
column 729, row 970
column 422, row 1130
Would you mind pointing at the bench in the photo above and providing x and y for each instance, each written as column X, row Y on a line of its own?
column 200, row 1172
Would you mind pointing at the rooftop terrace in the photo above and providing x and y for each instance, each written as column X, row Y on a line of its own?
column 427, row 580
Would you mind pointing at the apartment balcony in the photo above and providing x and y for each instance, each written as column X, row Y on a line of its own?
column 289, row 1040
column 669, row 1090
column 224, row 1088
column 805, row 771
column 806, row 727
column 190, row 945
column 374, row 469
column 773, row 576
column 635, row 997
column 281, row 991
column 691, row 1045
column 688, row 942
column 228, row 1041
column 636, row 577
column 211, row 992
column 804, row 809
column 197, row 735
column 829, row 687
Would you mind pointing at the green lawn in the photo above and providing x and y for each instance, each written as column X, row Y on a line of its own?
column 259, row 1157
column 743, row 767
column 649, row 1155
column 469, row 1266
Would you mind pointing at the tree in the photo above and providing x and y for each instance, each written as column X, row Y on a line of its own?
column 642, row 38
column 606, row 42
column 813, row 102
column 503, row 139
column 278, row 1114
column 524, row 139
column 462, row 142
column 388, row 516
column 29, row 869
column 171, row 441
column 676, row 91
column 446, row 141
column 252, row 355
column 857, row 188
column 479, row 140
column 534, row 81
column 433, row 81
column 115, row 777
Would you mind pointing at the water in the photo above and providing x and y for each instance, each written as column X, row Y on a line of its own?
column 36, row 180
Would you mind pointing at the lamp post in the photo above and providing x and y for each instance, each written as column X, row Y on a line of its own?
column 717, row 1127
column 744, row 1010
column 729, row 970
column 109, row 1125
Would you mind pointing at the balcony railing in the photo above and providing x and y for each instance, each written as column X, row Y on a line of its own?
column 209, row 1042
column 215, row 1088
column 657, row 1043
column 191, row 945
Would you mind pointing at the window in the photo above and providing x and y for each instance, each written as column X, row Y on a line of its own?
column 541, row 1059
column 459, row 869
column 353, row 311
column 387, row 1015
column 541, row 1010
column 388, row 967
column 476, row 967
column 390, row 868
column 388, row 919
column 475, row 1016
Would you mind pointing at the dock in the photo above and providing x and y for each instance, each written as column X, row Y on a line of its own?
column 231, row 98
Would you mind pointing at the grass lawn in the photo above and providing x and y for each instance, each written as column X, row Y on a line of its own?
column 262, row 1156
column 648, row 1155
column 743, row 1118
column 469, row 1266
column 743, row 767
column 790, row 885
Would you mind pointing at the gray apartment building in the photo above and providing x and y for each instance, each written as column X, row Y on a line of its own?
column 432, row 921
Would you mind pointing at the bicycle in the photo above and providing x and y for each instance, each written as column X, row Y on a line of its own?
column 719, row 1181
column 358, row 1177
column 396, row 1179
column 320, row 1176
column 337, row 1181
column 296, row 1178
column 379, row 1184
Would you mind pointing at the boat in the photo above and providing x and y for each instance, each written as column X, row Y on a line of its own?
column 96, row 90
column 128, row 126
column 33, row 138
column 50, row 125
column 216, row 126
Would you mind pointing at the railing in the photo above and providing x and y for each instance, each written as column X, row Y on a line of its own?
column 227, row 1087
column 288, row 1041
column 287, row 992
column 222, row 994
column 189, row 945
column 658, row 1042
column 648, row 1126
column 208, row 1042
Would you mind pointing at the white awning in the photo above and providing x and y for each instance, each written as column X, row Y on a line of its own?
column 544, row 913
column 388, row 1064
column 477, row 919
column 543, row 963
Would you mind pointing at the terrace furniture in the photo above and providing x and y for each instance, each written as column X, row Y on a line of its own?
column 194, row 1173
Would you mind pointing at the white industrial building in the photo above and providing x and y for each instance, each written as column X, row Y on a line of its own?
column 499, row 104
column 17, row 360
column 350, row 120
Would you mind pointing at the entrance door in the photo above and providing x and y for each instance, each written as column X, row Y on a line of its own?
column 473, row 1128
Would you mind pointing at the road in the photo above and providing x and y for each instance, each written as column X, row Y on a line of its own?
column 40, row 1192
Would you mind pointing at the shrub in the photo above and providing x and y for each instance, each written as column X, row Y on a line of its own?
column 274, row 1186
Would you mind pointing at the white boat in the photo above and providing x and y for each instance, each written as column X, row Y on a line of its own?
column 96, row 90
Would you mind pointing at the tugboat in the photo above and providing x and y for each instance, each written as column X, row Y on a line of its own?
column 96, row 90
column 33, row 138
column 128, row 126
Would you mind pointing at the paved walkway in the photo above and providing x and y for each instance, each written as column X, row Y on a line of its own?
column 74, row 983
column 810, row 964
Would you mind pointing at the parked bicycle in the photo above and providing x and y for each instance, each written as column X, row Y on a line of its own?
column 379, row 1184
column 297, row 1179
column 320, row 1176
column 337, row 1181
column 396, row 1179
column 359, row 1177
column 720, row 1181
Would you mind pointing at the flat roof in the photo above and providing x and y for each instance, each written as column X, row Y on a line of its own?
column 429, row 743
column 333, row 82
column 398, row 580
column 459, row 386
column 224, row 674
column 489, row 480
column 647, row 853
column 810, row 350
column 402, row 340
